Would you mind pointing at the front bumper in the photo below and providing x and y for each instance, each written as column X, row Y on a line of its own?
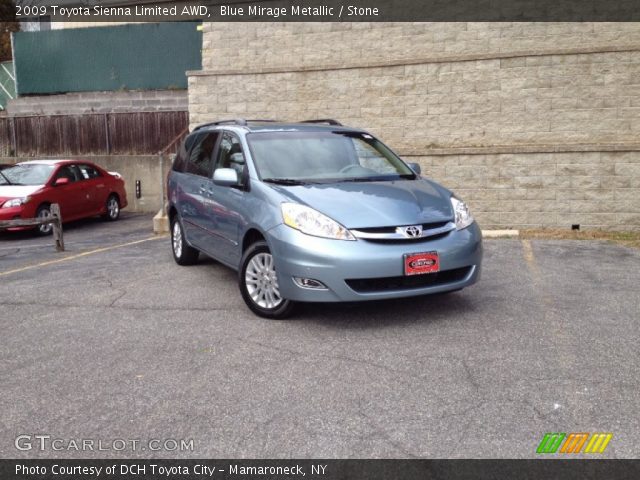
column 14, row 213
column 332, row 262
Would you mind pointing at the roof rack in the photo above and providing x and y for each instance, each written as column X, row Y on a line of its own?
column 235, row 121
column 330, row 121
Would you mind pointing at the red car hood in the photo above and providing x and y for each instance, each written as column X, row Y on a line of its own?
column 8, row 192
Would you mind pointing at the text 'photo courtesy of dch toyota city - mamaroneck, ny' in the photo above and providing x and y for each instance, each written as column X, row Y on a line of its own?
column 333, row 239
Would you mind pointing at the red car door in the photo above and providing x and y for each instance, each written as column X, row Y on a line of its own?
column 94, row 186
column 71, row 196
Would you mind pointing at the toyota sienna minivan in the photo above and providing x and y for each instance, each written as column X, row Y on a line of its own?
column 316, row 212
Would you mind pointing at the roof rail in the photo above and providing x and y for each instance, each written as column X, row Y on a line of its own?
column 235, row 121
column 330, row 121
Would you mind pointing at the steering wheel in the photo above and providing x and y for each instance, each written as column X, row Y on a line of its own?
column 348, row 168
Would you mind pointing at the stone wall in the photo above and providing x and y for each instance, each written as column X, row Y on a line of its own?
column 598, row 189
column 99, row 102
column 535, row 124
column 302, row 46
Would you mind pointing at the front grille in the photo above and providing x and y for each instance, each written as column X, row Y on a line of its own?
column 394, row 241
column 370, row 285
column 425, row 226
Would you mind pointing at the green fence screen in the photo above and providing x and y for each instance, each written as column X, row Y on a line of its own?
column 126, row 57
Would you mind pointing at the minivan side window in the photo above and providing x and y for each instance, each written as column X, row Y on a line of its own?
column 201, row 156
column 230, row 153
column 180, row 162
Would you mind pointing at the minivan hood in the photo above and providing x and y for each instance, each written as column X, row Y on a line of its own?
column 376, row 204
column 17, row 191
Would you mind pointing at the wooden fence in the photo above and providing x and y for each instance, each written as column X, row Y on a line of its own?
column 137, row 133
column 55, row 220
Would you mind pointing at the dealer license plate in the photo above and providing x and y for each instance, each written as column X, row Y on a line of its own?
column 421, row 263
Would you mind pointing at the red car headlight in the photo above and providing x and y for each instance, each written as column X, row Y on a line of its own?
column 16, row 202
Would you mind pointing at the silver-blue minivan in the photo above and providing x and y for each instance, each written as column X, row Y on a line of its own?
column 316, row 212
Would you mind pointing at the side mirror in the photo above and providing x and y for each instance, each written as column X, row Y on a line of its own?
column 416, row 168
column 61, row 181
column 225, row 177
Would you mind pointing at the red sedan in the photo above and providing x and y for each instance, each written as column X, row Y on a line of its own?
column 82, row 189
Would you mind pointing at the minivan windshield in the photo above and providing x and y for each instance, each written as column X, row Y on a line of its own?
column 33, row 174
column 296, row 157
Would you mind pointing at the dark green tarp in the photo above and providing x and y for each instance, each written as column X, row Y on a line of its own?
column 126, row 57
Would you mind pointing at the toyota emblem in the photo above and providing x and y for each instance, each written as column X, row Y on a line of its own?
column 412, row 231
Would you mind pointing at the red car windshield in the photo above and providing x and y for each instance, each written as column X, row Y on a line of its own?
column 34, row 174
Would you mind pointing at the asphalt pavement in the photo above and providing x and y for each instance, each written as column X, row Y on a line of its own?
column 112, row 340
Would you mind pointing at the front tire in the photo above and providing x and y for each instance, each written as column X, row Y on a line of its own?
column 183, row 253
column 44, row 212
column 258, row 283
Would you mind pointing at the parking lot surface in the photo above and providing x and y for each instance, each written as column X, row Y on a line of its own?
column 112, row 340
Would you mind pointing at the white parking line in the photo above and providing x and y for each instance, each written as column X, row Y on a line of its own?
column 80, row 255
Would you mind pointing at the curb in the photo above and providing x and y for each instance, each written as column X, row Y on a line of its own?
column 161, row 222
column 500, row 233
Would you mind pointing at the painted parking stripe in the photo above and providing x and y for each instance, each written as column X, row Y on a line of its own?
column 80, row 255
column 574, row 443
column 598, row 443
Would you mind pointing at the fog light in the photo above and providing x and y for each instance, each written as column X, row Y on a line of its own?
column 309, row 283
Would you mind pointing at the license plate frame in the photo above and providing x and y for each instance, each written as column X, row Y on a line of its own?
column 421, row 263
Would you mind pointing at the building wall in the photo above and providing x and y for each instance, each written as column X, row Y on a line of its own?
column 534, row 124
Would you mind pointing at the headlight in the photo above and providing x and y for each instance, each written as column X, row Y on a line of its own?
column 312, row 222
column 16, row 202
column 462, row 214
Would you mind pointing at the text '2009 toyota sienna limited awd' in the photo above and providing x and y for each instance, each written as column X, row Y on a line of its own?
column 316, row 212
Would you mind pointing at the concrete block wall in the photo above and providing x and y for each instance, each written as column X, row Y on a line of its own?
column 529, row 190
column 99, row 102
column 152, row 172
column 558, row 99
column 302, row 46
column 535, row 124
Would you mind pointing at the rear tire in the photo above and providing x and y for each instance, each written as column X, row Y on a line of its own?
column 183, row 254
column 258, row 284
column 112, row 208
column 44, row 211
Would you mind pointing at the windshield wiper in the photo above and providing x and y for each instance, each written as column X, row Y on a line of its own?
column 284, row 181
column 362, row 179
column 383, row 178
column 5, row 177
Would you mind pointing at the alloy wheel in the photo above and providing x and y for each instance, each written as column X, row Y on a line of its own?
column 177, row 239
column 262, row 282
column 44, row 214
